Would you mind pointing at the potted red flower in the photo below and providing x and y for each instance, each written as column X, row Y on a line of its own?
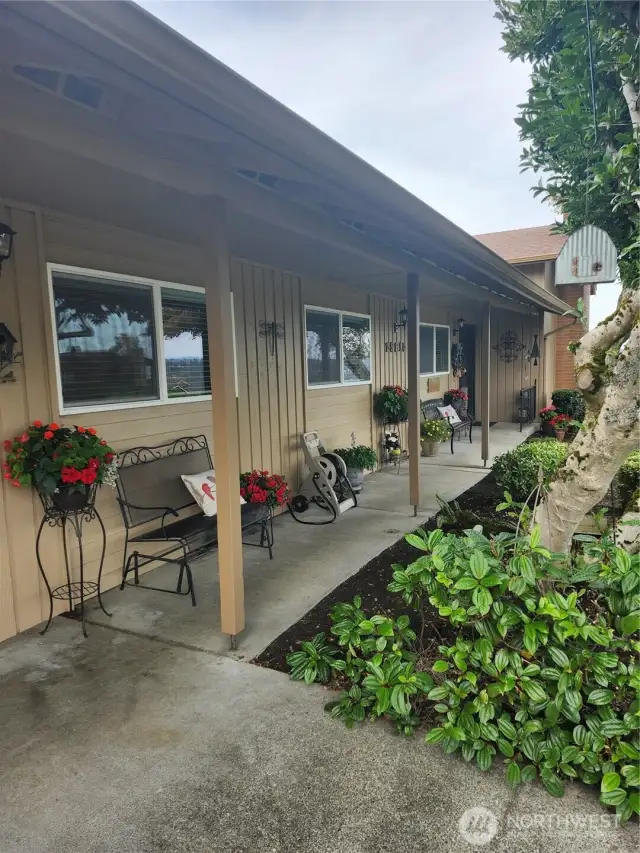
column 261, row 487
column 547, row 414
column 391, row 404
column 560, row 424
column 65, row 464
column 457, row 398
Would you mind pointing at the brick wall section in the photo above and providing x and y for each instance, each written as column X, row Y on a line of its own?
column 565, row 377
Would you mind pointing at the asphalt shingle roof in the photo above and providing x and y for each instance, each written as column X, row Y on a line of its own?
column 523, row 244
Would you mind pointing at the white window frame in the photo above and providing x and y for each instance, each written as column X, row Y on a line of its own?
column 435, row 326
column 156, row 287
column 341, row 384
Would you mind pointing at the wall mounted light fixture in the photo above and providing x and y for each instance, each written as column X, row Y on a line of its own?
column 6, row 243
column 8, row 354
column 402, row 320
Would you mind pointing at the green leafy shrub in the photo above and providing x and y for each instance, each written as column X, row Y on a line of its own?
column 435, row 430
column 543, row 674
column 569, row 401
column 359, row 456
column 517, row 470
column 628, row 477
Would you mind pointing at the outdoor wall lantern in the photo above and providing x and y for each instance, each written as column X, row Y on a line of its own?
column 509, row 347
column 402, row 320
column 6, row 243
column 458, row 327
column 534, row 352
column 8, row 354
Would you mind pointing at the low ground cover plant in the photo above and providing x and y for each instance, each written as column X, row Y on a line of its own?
column 537, row 667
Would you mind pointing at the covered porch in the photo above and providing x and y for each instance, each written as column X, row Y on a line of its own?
column 136, row 156
column 309, row 562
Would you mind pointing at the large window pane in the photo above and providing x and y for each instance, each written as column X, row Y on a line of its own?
column 186, row 347
column 442, row 349
column 426, row 349
column 323, row 344
column 105, row 339
column 356, row 348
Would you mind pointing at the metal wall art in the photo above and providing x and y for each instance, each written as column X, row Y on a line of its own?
column 8, row 354
column 274, row 332
column 509, row 347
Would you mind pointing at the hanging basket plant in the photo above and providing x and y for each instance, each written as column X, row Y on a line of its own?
column 391, row 405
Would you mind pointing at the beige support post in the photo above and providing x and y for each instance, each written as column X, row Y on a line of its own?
column 485, row 383
column 413, row 386
column 226, row 457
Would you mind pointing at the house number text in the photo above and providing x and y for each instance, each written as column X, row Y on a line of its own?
column 394, row 346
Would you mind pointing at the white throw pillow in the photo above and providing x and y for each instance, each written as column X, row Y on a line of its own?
column 202, row 488
column 450, row 414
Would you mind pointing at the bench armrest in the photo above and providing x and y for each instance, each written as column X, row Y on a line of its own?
column 167, row 509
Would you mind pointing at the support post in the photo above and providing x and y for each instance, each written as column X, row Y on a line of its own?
column 413, row 386
column 226, row 456
column 485, row 384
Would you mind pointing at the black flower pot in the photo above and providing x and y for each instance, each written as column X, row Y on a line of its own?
column 70, row 498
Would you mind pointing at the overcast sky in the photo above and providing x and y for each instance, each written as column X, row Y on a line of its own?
column 420, row 90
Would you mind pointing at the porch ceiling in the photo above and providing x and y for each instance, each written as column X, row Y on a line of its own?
column 171, row 114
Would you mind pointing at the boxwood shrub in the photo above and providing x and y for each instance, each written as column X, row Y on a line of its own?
column 628, row 478
column 517, row 470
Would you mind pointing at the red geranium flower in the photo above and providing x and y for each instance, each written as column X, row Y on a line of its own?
column 8, row 444
column 7, row 476
column 54, row 427
column 108, row 457
column 92, row 430
column 15, row 483
column 37, row 423
column 24, row 438
column 88, row 476
column 81, row 429
column 48, row 434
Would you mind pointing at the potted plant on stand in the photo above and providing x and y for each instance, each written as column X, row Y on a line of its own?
column 546, row 416
column 391, row 405
column 433, row 433
column 64, row 464
column 267, row 491
column 357, row 459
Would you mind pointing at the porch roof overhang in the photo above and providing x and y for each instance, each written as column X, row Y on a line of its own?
column 303, row 174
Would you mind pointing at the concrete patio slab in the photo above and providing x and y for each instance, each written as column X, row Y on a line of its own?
column 309, row 562
column 119, row 744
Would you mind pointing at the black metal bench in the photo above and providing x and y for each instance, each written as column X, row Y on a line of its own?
column 429, row 411
column 150, row 489
column 527, row 407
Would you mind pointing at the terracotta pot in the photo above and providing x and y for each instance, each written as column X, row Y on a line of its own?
column 429, row 448
column 70, row 498
column 560, row 433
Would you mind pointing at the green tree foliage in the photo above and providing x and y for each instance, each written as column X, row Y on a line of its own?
column 588, row 171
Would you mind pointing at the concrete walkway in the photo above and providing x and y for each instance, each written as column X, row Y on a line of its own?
column 309, row 562
column 120, row 744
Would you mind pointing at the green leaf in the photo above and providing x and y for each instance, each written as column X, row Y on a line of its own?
column 438, row 693
column 417, row 542
column 435, row 735
column 529, row 773
column 631, row 773
column 501, row 659
column 440, row 666
column 600, row 697
column 484, row 758
column 491, row 580
column 559, row 657
column 613, row 797
column 383, row 695
column 482, row 599
column 573, row 699
column 579, row 735
column 609, row 782
column 478, row 564
column 631, row 624
column 466, row 582
column 507, row 728
column 552, row 783
column 534, row 691
column 613, row 728
column 505, row 747
column 514, row 776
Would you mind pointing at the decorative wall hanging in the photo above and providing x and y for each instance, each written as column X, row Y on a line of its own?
column 457, row 360
column 509, row 347
column 6, row 243
column 8, row 354
column 274, row 332
column 534, row 352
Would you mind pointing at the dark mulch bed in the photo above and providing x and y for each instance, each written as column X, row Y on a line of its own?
column 370, row 583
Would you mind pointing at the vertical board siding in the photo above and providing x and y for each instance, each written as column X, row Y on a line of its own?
column 270, row 388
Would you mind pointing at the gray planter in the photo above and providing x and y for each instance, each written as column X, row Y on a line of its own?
column 356, row 478
column 429, row 448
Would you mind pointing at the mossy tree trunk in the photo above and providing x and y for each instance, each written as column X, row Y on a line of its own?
column 607, row 372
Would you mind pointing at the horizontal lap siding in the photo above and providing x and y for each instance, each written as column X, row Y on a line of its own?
column 270, row 388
